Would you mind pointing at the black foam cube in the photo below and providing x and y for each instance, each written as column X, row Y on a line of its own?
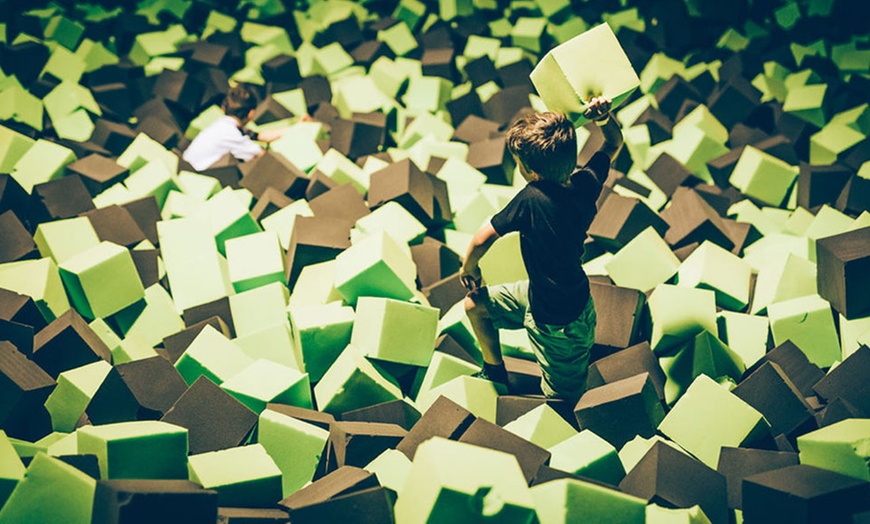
column 67, row 343
column 626, row 363
column 219, row 307
column 843, row 275
column 131, row 501
column 154, row 383
column 24, row 388
column 362, row 134
column 116, row 224
column 343, row 201
column 396, row 412
column 794, row 363
column 98, row 172
column 620, row 219
column 434, row 261
column 775, row 396
column 343, row 481
column 65, row 197
column 315, row 240
column 738, row 463
column 848, row 382
column 621, row 410
column 177, row 343
column 486, row 434
column 492, row 158
column 358, row 443
column 691, row 219
column 275, row 171
column 367, row 506
column 17, row 243
column 444, row 418
column 20, row 309
column 618, row 310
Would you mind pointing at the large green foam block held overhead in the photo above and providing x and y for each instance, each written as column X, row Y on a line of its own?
column 51, row 491
column 589, row 65
column 843, row 447
column 708, row 417
column 144, row 449
column 244, row 477
column 452, row 481
column 102, row 280
column 395, row 331
column 564, row 500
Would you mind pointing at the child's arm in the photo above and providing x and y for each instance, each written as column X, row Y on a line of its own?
column 480, row 244
column 599, row 111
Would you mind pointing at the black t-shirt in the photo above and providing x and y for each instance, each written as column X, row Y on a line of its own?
column 552, row 220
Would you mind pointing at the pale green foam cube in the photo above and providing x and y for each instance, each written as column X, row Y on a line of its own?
column 760, row 254
column 13, row 145
column 157, row 321
column 644, row 263
column 50, row 491
column 75, row 390
column 207, row 117
column 68, row 97
column 144, row 149
column 391, row 218
column 704, row 354
column 265, row 381
column 455, row 481
column 542, row 426
column 843, row 447
column 456, row 324
column 527, row 33
column 21, row 106
column 658, row 70
column 315, row 285
column 392, row 468
column 656, row 514
column 281, row 222
column 727, row 421
column 395, row 331
column 259, row 308
column 131, row 349
column 784, row 277
column 298, row 147
column 358, row 94
column 95, row 55
column 588, row 455
column 152, row 179
column 745, row 334
column 43, row 162
column 228, row 217
column 102, row 280
column 712, row 267
column 441, row 369
column 564, row 500
column 635, row 449
column 809, row 323
column 213, row 356
column 463, row 181
column 245, row 476
column 144, row 449
column 678, row 314
column 398, row 38
column 763, row 176
column 62, row 239
column 64, row 65
column 331, row 59
column 828, row 222
column 472, row 213
column 294, row 445
column 353, row 382
column 450, row 9
column 503, row 262
column 11, row 468
column 276, row 343
column 376, row 265
column 388, row 78
column 40, row 280
column 341, row 169
column 701, row 118
column 806, row 102
column 833, row 139
column 197, row 280
column 255, row 260
column 694, row 147
column 589, row 65
column 477, row 395
column 853, row 333
column 324, row 331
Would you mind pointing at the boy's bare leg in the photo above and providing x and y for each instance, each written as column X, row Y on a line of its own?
column 487, row 337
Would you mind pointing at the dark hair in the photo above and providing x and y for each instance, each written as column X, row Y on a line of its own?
column 545, row 143
column 240, row 100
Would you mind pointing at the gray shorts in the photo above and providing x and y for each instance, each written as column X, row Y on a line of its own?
column 562, row 351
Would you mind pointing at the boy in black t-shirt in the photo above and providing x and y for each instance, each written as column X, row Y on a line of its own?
column 552, row 214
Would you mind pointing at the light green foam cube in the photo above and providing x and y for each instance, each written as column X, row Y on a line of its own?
column 157, row 321
column 833, row 139
column 299, row 147
column 281, row 222
column 701, row 118
column 398, row 38
column 265, row 381
column 471, row 214
column 43, row 162
column 763, row 176
column 528, row 32
column 255, row 260
column 459, row 482
column 477, row 395
column 441, row 369
column 11, row 468
column 353, row 382
column 359, row 94
column 13, row 145
column 745, row 334
column 324, row 331
column 727, row 421
column 712, row 267
column 40, row 280
column 17, row 104
column 853, row 333
column 843, row 447
column 809, row 323
column 658, row 70
column 693, row 147
column 259, row 308
column 395, row 331
column 564, row 500
column 95, row 55
column 392, row 468
column 228, row 218
column 144, row 449
column 635, row 449
column 102, row 280
column 807, row 103
column 678, row 314
column 151, row 179
column 644, row 263
column 589, row 65
column 294, row 445
column 63, row 239
column 542, row 426
column 68, row 97
column 211, row 355
column 393, row 219
column 50, row 491
column 456, row 324
column 503, row 262
column 331, row 59
column 64, row 65
column 276, row 343
column 315, row 285
column 147, row 45
column 244, row 477
column 828, row 222
column 75, row 390
column 588, row 455
column 784, row 277
column 144, row 149
column 705, row 354
column 377, row 266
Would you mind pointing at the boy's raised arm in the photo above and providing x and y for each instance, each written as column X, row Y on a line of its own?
column 599, row 111
column 480, row 244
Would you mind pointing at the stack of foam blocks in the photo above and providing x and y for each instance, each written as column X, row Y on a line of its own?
column 285, row 340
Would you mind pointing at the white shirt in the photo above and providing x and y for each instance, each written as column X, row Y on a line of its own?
column 221, row 137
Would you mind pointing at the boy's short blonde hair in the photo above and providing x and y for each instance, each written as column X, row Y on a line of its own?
column 545, row 143
column 239, row 102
